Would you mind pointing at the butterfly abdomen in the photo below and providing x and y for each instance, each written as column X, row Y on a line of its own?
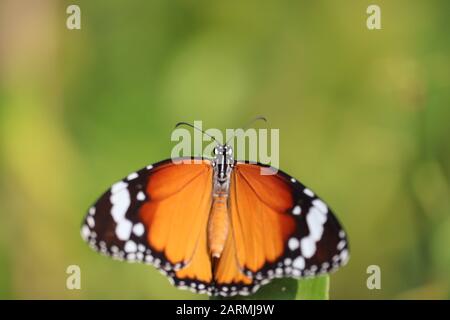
column 218, row 225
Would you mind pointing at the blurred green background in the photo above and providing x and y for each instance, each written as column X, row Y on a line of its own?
column 363, row 118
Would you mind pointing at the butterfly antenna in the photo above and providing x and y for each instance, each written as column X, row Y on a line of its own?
column 248, row 125
column 192, row 126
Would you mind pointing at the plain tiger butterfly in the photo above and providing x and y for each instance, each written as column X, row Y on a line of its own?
column 217, row 226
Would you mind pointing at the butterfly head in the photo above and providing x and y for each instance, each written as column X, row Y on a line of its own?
column 223, row 150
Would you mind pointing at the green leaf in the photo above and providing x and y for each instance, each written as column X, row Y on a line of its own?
column 289, row 289
column 314, row 289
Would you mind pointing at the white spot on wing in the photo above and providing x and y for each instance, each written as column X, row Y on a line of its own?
column 308, row 192
column 299, row 263
column 123, row 230
column 118, row 186
column 138, row 229
column 308, row 247
column 293, row 244
column 149, row 167
column 140, row 196
column 344, row 256
column 341, row 245
column 120, row 200
column 296, row 273
column 132, row 176
column 85, row 232
column 90, row 221
column 130, row 246
column 315, row 220
column 297, row 210
column 319, row 204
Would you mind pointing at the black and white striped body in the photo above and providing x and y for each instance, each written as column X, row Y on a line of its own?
column 219, row 220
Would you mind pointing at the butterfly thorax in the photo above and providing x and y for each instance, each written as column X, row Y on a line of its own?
column 218, row 224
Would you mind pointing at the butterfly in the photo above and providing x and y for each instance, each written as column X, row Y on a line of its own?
column 217, row 226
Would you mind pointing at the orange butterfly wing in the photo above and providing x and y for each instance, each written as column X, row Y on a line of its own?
column 177, row 215
column 279, row 229
column 158, row 215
